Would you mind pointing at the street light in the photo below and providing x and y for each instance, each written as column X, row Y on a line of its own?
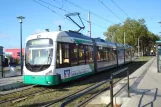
column 20, row 20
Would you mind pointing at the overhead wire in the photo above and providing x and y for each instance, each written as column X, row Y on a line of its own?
column 110, row 10
column 88, row 11
column 54, row 6
column 47, row 8
column 120, row 8
column 122, row 11
column 94, row 23
column 68, row 8
column 58, row 3
column 62, row 10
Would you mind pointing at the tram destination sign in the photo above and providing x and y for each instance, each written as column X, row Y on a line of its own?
column 40, row 42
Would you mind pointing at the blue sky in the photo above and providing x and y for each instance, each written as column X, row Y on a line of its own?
column 38, row 18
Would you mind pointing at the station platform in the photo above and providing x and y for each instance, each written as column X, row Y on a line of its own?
column 145, row 89
column 9, row 83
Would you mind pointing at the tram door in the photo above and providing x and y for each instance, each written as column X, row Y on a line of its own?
column 159, row 58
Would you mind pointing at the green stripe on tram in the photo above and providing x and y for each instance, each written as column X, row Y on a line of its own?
column 40, row 79
column 80, row 41
column 52, row 79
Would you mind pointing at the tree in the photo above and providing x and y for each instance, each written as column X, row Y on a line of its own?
column 112, row 32
column 133, row 29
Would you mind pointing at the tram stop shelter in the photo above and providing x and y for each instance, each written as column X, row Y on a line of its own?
column 158, row 53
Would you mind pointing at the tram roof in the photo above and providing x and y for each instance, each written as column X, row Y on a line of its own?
column 120, row 45
column 56, row 35
column 78, row 35
column 103, row 42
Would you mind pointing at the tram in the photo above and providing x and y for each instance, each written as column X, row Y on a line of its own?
column 52, row 58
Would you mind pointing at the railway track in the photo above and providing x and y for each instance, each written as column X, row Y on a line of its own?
column 64, row 97
column 24, row 93
column 66, row 91
column 52, row 102
column 77, row 93
column 20, row 97
column 86, row 101
column 23, row 97
column 5, row 93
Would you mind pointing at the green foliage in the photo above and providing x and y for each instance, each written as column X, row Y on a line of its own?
column 17, row 60
column 133, row 30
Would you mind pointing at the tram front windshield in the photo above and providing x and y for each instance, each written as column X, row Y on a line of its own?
column 38, row 55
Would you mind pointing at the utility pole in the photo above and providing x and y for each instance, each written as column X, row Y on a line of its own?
column 124, row 39
column 89, row 24
column 138, row 48
column 21, row 60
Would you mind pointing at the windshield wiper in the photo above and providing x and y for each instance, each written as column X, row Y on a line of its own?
column 49, row 57
column 42, row 66
column 29, row 66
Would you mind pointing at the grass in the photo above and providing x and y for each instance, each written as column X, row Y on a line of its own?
column 70, row 87
column 21, row 93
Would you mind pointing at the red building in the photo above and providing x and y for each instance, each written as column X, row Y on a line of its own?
column 14, row 52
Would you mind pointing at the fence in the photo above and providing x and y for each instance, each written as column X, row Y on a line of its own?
column 111, row 84
column 100, row 84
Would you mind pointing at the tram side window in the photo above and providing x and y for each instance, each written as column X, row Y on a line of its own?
column 114, row 54
column 65, row 50
column 100, row 56
column 74, row 54
column 106, row 54
column 81, row 54
column 89, row 54
column 128, row 54
column 62, row 55
column 110, row 54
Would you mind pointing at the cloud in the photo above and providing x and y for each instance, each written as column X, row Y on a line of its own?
column 59, row 22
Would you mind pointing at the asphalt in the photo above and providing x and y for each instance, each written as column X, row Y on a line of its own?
column 145, row 89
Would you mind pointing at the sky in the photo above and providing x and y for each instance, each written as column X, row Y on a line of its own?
column 38, row 18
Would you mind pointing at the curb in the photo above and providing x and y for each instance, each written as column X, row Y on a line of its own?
column 12, row 86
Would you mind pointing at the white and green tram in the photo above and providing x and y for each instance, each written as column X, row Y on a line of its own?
column 52, row 58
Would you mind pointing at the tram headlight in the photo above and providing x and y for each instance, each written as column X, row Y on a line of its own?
column 49, row 73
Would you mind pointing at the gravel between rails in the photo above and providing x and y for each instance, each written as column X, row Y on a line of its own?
column 4, row 93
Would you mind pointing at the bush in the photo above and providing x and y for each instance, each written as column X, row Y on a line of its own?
column 17, row 60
